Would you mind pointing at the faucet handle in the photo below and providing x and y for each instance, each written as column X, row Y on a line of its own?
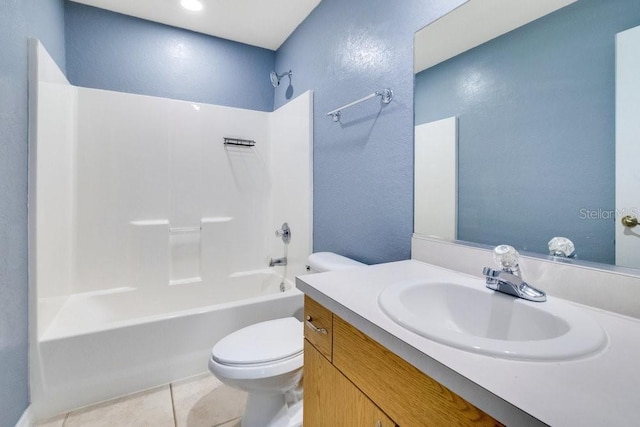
column 562, row 247
column 507, row 258
column 284, row 233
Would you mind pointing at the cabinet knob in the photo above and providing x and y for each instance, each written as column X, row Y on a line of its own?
column 313, row 327
column 378, row 423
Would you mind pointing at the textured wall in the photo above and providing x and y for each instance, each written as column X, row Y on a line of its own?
column 19, row 19
column 536, row 112
column 107, row 50
column 363, row 166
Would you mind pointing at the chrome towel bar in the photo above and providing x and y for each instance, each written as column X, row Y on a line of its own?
column 386, row 94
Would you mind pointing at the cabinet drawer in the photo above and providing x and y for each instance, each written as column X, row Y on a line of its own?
column 410, row 397
column 318, row 326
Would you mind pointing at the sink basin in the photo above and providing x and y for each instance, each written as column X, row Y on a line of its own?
column 479, row 320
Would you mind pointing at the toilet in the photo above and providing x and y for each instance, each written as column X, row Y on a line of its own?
column 265, row 360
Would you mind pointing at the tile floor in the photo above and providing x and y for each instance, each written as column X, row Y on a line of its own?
column 201, row 401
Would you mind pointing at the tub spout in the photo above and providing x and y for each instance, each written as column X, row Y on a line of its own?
column 277, row 262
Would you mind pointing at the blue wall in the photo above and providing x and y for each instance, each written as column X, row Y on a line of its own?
column 107, row 50
column 536, row 127
column 19, row 19
column 363, row 166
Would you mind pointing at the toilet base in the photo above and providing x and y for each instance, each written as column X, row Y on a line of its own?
column 271, row 410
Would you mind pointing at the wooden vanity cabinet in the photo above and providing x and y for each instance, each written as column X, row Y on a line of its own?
column 354, row 381
column 331, row 400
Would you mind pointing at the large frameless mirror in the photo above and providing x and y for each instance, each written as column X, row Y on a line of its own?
column 526, row 126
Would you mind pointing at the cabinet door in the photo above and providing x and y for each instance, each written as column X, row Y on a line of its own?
column 409, row 396
column 331, row 400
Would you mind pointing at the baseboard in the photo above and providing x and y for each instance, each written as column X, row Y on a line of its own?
column 27, row 419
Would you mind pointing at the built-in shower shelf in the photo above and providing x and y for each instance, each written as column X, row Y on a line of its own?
column 184, row 229
column 186, row 281
column 204, row 220
column 213, row 219
column 239, row 142
column 150, row 222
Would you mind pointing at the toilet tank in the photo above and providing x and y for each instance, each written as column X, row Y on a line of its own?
column 328, row 261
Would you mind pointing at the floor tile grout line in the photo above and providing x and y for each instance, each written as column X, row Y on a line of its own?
column 173, row 406
column 228, row 421
column 174, row 400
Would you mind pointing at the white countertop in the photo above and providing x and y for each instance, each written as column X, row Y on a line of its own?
column 599, row 390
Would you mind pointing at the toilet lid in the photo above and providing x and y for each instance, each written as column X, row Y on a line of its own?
column 329, row 261
column 261, row 343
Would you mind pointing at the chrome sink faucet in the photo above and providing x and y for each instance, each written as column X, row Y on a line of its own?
column 508, row 280
column 509, row 283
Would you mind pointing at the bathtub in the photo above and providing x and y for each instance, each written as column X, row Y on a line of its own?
column 106, row 344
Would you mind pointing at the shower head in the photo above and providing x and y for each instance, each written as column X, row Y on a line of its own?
column 275, row 77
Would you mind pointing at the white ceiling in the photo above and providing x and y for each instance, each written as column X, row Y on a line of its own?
column 259, row 23
column 474, row 23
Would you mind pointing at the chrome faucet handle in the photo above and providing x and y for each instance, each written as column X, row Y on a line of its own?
column 273, row 262
column 284, row 233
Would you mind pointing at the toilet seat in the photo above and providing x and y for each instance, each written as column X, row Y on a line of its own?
column 261, row 343
column 261, row 350
column 254, row 372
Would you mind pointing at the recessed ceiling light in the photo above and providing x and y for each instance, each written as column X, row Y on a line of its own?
column 192, row 5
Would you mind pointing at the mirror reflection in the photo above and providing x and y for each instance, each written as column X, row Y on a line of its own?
column 530, row 144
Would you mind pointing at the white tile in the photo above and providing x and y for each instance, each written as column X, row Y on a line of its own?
column 205, row 402
column 152, row 408
column 56, row 421
column 232, row 423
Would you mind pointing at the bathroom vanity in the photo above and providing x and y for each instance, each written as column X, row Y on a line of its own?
column 350, row 379
column 362, row 368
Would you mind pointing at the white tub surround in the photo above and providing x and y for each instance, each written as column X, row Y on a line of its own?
column 596, row 390
column 149, row 237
